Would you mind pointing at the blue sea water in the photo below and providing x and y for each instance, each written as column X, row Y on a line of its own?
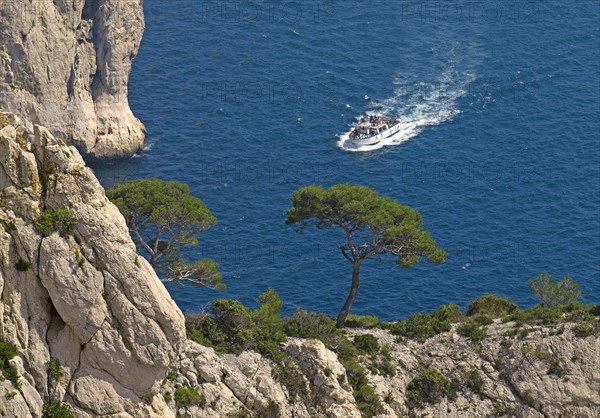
column 501, row 155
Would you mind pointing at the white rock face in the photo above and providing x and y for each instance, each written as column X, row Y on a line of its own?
column 66, row 64
column 87, row 299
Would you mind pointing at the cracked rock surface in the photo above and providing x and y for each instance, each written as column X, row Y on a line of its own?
column 87, row 299
column 66, row 64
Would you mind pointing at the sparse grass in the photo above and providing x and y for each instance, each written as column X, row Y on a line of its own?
column 362, row 321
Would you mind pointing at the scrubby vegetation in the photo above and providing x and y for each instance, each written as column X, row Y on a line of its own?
column 56, row 220
column 362, row 321
column 22, row 265
column 189, row 397
column 53, row 367
column 57, row 409
column 555, row 294
column 7, row 352
column 428, row 387
column 230, row 327
column 422, row 326
column 492, row 305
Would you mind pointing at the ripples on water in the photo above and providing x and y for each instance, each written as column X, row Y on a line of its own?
column 502, row 161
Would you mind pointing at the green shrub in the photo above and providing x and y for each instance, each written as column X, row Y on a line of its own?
column 540, row 315
column 202, row 329
column 586, row 328
column 368, row 401
column 389, row 397
column 474, row 381
column 57, row 409
column 420, row 326
column 428, row 387
column 472, row 330
column 362, row 321
column 234, row 321
column 56, row 220
column 232, row 328
column 491, row 305
column 555, row 368
column 168, row 396
column 555, row 294
column 483, row 320
column 53, row 368
column 268, row 325
column 9, row 226
column 305, row 324
column 22, row 265
column 189, row 396
column 7, row 352
column 367, row 343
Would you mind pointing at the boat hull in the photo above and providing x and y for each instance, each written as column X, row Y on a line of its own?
column 375, row 139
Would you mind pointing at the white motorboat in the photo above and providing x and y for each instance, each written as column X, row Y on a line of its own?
column 370, row 130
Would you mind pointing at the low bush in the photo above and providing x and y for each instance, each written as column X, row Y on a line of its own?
column 483, row 320
column 56, row 220
column 586, row 328
column 189, row 396
column 53, row 368
column 57, row 409
column 491, row 305
column 474, row 381
column 7, row 352
column 367, row 343
column 472, row 330
column 421, row 327
column 22, row 265
column 362, row 321
column 428, row 387
column 230, row 327
column 538, row 315
column 305, row 324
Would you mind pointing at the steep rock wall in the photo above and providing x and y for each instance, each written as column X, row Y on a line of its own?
column 66, row 64
column 86, row 299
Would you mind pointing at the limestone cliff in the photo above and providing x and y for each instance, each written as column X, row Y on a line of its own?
column 66, row 64
column 88, row 299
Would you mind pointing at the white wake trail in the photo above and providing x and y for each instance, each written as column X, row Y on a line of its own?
column 417, row 105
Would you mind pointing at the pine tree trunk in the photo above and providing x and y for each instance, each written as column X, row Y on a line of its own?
column 341, row 319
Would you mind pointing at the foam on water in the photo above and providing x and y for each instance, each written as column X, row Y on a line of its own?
column 417, row 105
